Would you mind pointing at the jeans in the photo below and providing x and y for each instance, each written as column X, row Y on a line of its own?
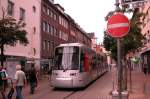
column 18, row 91
column 3, row 95
column 32, row 87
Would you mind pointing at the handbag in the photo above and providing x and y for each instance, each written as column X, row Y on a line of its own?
column 10, row 94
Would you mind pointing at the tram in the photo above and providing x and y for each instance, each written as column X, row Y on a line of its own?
column 76, row 65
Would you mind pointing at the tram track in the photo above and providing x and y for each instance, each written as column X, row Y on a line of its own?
column 69, row 95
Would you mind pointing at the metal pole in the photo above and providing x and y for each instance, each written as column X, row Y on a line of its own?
column 119, row 68
column 119, row 58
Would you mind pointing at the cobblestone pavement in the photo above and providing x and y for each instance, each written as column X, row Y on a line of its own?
column 140, row 88
column 140, row 85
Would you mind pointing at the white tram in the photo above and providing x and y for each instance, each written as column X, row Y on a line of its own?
column 76, row 65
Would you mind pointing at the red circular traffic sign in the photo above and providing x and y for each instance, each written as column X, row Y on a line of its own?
column 118, row 25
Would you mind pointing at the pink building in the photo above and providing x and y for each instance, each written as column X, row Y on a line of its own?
column 30, row 13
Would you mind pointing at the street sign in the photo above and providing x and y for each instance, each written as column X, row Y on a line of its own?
column 131, row 1
column 118, row 25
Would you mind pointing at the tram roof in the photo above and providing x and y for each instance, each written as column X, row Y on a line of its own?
column 71, row 44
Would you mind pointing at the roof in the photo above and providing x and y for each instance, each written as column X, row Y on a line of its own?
column 71, row 44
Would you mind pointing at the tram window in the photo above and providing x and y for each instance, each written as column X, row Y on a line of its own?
column 75, row 58
column 82, row 55
column 58, row 58
column 94, row 59
column 82, row 61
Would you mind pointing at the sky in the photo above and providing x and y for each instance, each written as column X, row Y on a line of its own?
column 89, row 14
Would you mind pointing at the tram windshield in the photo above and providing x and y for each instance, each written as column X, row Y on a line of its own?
column 66, row 58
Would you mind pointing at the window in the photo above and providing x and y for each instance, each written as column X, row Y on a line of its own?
column 52, row 46
column 64, row 36
column 51, row 14
column 34, row 51
column 60, row 34
column 44, row 44
column 47, row 27
column 55, row 16
column 34, row 9
column 44, row 8
column 48, row 11
column 55, row 31
column 44, row 26
column 60, row 19
column 34, row 30
column 10, row 9
column 48, row 45
column 52, row 30
column 72, row 33
column 22, row 14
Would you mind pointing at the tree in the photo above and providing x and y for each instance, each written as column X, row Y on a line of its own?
column 11, row 32
column 110, row 44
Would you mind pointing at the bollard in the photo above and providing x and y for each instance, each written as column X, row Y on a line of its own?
column 124, row 95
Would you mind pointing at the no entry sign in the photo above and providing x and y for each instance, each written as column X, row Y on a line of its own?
column 118, row 25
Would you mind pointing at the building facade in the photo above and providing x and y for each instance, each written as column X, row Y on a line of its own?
column 58, row 27
column 47, row 26
column 30, row 14
column 145, row 51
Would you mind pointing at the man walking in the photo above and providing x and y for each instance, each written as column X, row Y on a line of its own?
column 2, row 78
column 20, row 81
column 33, row 79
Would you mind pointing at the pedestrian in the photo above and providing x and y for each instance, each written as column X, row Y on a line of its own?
column 33, row 79
column 6, row 76
column 2, row 78
column 20, row 81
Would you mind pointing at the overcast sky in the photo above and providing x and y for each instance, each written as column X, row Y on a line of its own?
column 89, row 14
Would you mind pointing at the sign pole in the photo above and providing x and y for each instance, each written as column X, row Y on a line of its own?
column 119, row 68
column 118, row 26
column 119, row 60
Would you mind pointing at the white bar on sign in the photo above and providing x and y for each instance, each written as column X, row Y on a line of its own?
column 63, row 78
column 118, row 25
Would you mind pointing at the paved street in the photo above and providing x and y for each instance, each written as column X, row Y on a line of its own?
column 100, row 89
column 97, row 90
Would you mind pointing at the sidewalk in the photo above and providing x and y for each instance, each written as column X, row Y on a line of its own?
column 140, row 85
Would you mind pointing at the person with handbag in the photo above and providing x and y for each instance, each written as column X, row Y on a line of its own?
column 2, row 78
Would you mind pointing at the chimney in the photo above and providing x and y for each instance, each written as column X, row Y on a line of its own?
column 52, row 1
column 60, row 8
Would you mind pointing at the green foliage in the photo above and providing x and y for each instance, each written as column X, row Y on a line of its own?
column 11, row 33
column 135, row 60
column 110, row 44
